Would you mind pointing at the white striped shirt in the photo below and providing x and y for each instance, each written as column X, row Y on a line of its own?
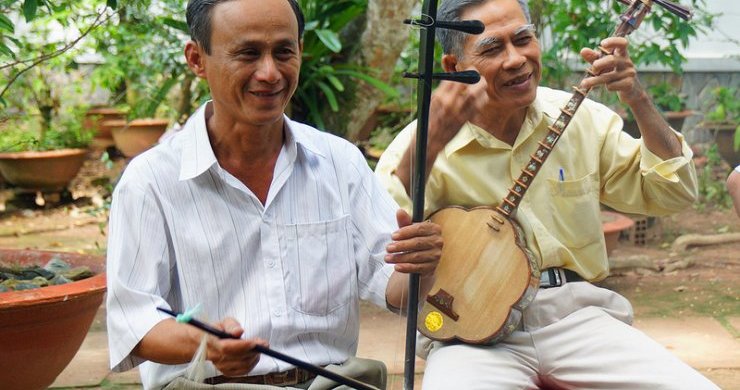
column 183, row 231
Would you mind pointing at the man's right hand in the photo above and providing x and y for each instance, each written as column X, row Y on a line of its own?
column 233, row 357
column 452, row 105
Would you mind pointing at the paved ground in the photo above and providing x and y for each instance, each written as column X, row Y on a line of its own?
column 703, row 342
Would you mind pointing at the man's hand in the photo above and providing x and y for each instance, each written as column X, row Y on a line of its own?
column 233, row 357
column 415, row 247
column 616, row 71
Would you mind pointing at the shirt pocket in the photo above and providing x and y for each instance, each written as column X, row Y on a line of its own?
column 317, row 266
column 575, row 210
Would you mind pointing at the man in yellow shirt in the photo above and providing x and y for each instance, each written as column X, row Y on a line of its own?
column 574, row 334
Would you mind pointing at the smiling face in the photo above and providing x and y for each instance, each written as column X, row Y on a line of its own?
column 506, row 54
column 252, row 70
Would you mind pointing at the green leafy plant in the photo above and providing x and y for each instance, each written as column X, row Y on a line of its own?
column 726, row 110
column 324, row 71
column 712, row 188
column 567, row 27
column 666, row 98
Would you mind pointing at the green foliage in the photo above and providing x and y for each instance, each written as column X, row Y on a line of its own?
column 142, row 56
column 325, row 71
column 712, row 188
column 665, row 97
column 726, row 109
column 70, row 134
column 577, row 24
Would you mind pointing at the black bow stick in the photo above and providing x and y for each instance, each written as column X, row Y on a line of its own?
column 425, row 76
column 318, row 370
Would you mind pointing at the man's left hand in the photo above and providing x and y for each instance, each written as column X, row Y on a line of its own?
column 616, row 71
column 416, row 247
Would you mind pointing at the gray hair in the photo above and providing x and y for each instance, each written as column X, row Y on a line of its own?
column 198, row 16
column 451, row 10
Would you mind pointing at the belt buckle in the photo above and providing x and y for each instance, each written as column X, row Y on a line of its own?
column 289, row 377
column 551, row 278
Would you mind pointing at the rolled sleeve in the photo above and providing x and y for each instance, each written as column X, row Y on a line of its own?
column 671, row 185
column 137, row 269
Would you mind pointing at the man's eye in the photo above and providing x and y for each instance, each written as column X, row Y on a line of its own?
column 524, row 40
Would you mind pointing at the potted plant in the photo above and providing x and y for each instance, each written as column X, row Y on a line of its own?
column 724, row 121
column 42, row 329
column 42, row 147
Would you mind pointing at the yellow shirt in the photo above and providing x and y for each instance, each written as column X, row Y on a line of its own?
column 560, row 218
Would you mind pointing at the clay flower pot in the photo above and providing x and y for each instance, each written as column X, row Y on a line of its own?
column 612, row 224
column 94, row 117
column 49, row 170
column 42, row 329
column 134, row 137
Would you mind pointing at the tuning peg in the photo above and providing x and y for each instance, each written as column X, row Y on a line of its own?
column 466, row 26
column 467, row 76
column 679, row 10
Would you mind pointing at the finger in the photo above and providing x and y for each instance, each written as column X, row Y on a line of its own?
column 403, row 218
column 417, row 262
column 420, row 229
column 589, row 55
column 415, row 244
column 231, row 326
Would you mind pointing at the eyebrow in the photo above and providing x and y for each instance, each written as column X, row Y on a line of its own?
column 491, row 41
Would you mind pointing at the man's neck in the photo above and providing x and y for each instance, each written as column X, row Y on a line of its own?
column 249, row 153
column 502, row 124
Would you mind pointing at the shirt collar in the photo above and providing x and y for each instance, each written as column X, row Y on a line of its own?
column 537, row 112
column 198, row 156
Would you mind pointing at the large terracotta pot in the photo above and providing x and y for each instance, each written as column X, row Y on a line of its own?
column 94, row 117
column 613, row 224
column 134, row 137
column 42, row 329
column 49, row 170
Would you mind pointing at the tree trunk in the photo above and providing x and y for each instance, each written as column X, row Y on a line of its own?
column 383, row 39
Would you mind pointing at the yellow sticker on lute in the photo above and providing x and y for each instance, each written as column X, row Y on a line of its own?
column 434, row 321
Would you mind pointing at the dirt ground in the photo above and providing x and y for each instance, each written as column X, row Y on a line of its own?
column 700, row 281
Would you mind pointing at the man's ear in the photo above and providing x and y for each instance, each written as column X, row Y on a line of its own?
column 449, row 62
column 195, row 58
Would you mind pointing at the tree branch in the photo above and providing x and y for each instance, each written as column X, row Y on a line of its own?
column 99, row 20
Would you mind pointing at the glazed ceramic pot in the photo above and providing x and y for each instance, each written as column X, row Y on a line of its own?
column 42, row 329
column 613, row 224
column 49, row 170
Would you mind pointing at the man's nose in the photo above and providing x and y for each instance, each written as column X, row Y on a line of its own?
column 514, row 59
column 267, row 70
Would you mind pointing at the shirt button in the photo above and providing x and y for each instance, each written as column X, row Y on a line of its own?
column 271, row 264
column 277, row 313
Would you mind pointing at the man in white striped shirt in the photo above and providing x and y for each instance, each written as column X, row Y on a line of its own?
column 277, row 229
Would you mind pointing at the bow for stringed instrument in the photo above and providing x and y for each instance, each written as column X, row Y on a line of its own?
column 487, row 276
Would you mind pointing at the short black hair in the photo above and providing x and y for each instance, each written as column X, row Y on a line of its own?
column 452, row 41
column 198, row 16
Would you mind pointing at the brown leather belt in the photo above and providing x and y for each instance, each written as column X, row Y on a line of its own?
column 290, row 377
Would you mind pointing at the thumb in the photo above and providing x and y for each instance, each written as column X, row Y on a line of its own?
column 403, row 218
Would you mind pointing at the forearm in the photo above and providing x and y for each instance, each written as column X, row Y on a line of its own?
column 656, row 132
column 396, row 294
column 404, row 171
column 169, row 342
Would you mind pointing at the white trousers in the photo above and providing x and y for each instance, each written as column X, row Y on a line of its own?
column 577, row 336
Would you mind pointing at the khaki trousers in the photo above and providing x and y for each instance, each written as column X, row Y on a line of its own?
column 372, row 372
column 577, row 336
